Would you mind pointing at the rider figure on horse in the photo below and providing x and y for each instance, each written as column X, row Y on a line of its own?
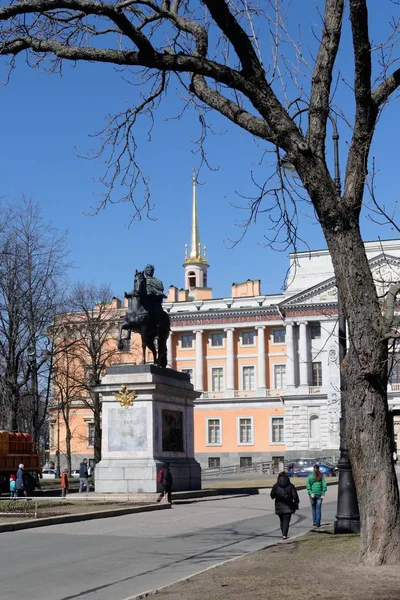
column 146, row 316
column 155, row 292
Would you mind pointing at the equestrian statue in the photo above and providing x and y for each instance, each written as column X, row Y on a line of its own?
column 146, row 316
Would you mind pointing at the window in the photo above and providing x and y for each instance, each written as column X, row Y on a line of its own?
column 214, row 462
column 187, row 340
column 90, row 435
column 245, row 462
column 217, row 339
column 188, row 372
column 278, row 336
column 280, row 377
column 217, row 379
column 213, row 431
column 314, row 427
column 394, row 370
column 245, row 430
column 248, row 338
column 248, row 378
column 192, row 279
column 316, row 374
column 277, row 430
column 125, row 345
column 315, row 331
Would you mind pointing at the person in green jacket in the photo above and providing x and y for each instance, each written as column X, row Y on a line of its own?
column 316, row 488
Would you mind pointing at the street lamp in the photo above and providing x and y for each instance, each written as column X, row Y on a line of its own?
column 348, row 516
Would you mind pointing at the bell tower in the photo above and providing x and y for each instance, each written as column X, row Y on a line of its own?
column 195, row 263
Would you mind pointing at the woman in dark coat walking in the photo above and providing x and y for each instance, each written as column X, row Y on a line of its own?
column 286, row 501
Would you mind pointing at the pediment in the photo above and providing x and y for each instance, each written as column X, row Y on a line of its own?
column 385, row 270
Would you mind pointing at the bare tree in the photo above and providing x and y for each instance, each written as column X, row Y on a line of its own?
column 214, row 48
column 32, row 267
column 89, row 339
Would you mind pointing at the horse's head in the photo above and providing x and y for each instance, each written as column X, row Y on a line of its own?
column 139, row 285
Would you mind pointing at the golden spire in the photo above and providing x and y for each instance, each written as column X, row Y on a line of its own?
column 195, row 240
column 195, row 247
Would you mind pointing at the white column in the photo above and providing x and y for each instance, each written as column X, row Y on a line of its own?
column 199, row 360
column 303, row 354
column 289, row 355
column 230, row 360
column 169, row 349
column 261, row 356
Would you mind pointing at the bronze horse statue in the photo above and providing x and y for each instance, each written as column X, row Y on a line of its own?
column 141, row 317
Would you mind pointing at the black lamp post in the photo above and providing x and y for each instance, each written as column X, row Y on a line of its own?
column 348, row 516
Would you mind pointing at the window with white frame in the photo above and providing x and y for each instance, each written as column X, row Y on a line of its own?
column 314, row 427
column 316, row 374
column 315, row 331
column 277, row 431
column 217, row 339
column 187, row 340
column 245, row 430
column 248, row 338
column 249, row 378
column 188, row 372
column 280, row 377
column 90, row 435
column 279, row 335
column 394, row 372
column 217, row 379
column 213, row 431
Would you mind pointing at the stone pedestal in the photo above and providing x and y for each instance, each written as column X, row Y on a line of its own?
column 147, row 422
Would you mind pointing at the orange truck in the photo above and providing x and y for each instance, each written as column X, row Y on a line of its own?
column 16, row 448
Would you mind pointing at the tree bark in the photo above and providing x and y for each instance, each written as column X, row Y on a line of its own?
column 367, row 419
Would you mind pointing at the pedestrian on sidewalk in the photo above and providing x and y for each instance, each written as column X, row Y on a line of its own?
column 286, row 501
column 21, row 491
column 395, row 457
column 165, row 478
column 64, row 483
column 316, row 488
column 13, row 488
column 83, row 476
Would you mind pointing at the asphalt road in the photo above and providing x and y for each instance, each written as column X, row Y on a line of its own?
column 120, row 557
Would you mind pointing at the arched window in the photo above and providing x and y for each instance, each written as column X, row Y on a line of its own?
column 192, row 279
column 314, row 427
column 205, row 279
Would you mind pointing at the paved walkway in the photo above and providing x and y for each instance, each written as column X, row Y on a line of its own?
column 123, row 556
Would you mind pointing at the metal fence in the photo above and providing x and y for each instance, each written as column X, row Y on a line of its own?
column 266, row 468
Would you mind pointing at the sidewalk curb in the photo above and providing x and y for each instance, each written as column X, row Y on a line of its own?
column 89, row 516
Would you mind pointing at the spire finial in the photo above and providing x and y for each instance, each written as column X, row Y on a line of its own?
column 195, row 239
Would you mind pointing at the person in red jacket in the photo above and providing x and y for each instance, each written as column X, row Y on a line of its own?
column 64, row 483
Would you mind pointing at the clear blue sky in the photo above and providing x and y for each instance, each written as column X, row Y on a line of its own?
column 45, row 119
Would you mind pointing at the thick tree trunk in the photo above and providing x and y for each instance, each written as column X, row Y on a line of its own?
column 366, row 409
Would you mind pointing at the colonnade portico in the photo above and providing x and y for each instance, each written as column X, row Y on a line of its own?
column 296, row 355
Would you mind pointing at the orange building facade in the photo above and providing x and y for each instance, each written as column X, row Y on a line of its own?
column 265, row 366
